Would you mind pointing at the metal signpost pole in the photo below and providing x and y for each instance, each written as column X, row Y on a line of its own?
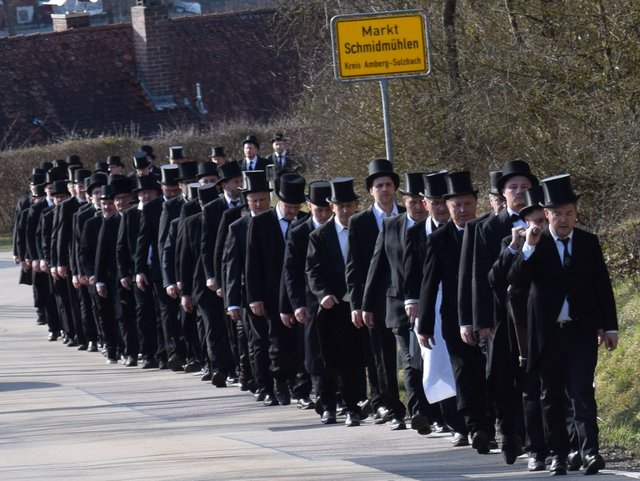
column 388, row 134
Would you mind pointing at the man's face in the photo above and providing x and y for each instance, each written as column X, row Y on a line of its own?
column 437, row 208
column 218, row 160
column 258, row 202
column 208, row 179
column 147, row 195
column 249, row 150
column 95, row 196
column 116, row 169
column 57, row 199
column 108, row 207
column 536, row 217
column 279, row 146
column 383, row 190
column 143, row 172
column 71, row 187
column 562, row 219
column 232, row 187
column 514, row 190
column 320, row 214
column 497, row 203
column 81, row 191
column 171, row 191
column 462, row 208
column 290, row 211
column 344, row 210
column 415, row 208
column 122, row 202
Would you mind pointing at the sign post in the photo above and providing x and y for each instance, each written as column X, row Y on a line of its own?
column 381, row 46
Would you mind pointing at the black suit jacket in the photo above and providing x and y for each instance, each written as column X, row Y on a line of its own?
column 33, row 220
column 290, row 164
column 148, row 239
column 84, row 213
column 126, row 245
column 89, row 245
column 233, row 261
column 294, row 292
column 65, row 230
column 106, row 269
column 219, row 267
column 325, row 267
column 23, row 204
column 211, row 218
column 191, row 269
column 170, row 210
column 45, row 228
column 261, row 163
column 585, row 283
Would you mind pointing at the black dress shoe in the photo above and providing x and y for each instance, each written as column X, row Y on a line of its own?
column 480, row 442
column 219, row 379
column 131, row 361
column 397, row 424
column 353, row 419
column 162, row 365
column 328, row 417
column 192, row 367
column 260, row 395
column 82, row 347
column 593, row 463
column 206, row 375
column 248, row 385
column 92, row 347
column 270, row 400
column 341, row 408
column 558, row 467
column 365, row 408
column 53, row 336
column 511, row 448
column 175, row 364
column 305, row 403
column 420, row 423
column 381, row 416
column 574, row 461
column 283, row 395
column 536, row 465
column 149, row 364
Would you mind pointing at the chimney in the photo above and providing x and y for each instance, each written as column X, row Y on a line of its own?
column 150, row 22
column 67, row 21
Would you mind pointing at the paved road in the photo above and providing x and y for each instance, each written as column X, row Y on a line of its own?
column 66, row 415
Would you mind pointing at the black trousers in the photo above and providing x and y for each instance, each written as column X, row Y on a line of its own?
column 127, row 323
column 89, row 327
column 146, row 322
column 282, row 349
column 260, row 345
column 211, row 309
column 172, row 335
column 416, row 400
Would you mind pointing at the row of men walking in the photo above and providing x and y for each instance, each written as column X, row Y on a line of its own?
column 493, row 320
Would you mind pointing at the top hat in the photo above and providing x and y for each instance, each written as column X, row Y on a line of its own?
column 80, row 174
column 279, row 137
column 56, row 173
column 148, row 150
column 413, row 183
column 37, row 178
column 512, row 168
column 435, row 184
column 169, row 174
column 101, row 167
column 207, row 193
column 146, row 182
column 94, row 180
column 187, row 171
column 379, row 168
column 106, row 192
column 206, row 169
column 229, row 170
column 251, row 139
column 217, row 151
column 60, row 188
column 74, row 159
column 114, row 160
column 342, row 190
column 494, row 176
column 291, row 189
column 46, row 165
column 255, row 181
column 175, row 152
column 533, row 198
column 120, row 185
column 140, row 160
column 60, row 163
column 319, row 192
column 193, row 190
column 459, row 183
column 39, row 191
column 558, row 191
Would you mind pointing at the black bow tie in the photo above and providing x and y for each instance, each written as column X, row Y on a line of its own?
column 515, row 218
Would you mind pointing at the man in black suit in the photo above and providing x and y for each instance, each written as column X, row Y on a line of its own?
column 265, row 257
column 490, row 315
column 281, row 158
column 341, row 342
column 571, row 312
column 382, row 183
column 441, row 272
column 252, row 159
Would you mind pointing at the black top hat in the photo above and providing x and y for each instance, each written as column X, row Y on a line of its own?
column 175, row 152
column 251, row 139
column 342, row 190
column 187, row 171
column 515, row 167
column 279, row 137
column 319, row 192
column 169, row 174
column 459, row 183
column 46, row 165
column 558, row 191
column 114, row 160
column 70, row 170
column 205, row 169
column 140, row 160
column 39, row 191
column 146, row 182
column 120, row 185
column 80, row 174
column 60, row 188
column 193, row 190
column 533, row 198
column 148, row 150
column 101, row 167
column 56, row 173
column 291, row 189
column 60, row 163
column 207, row 193
column 95, row 180
column 494, row 176
column 229, row 170
column 255, row 181
column 106, row 192
column 217, row 151
column 37, row 179
column 413, row 183
column 379, row 168
column 435, row 184
column 74, row 159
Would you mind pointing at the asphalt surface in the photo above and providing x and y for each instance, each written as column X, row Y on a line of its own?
column 66, row 415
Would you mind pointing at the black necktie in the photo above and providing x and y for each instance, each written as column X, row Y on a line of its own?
column 280, row 161
column 515, row 218
column 566, row 256
column 288, row 225
column 234, row 203
column 433, row 226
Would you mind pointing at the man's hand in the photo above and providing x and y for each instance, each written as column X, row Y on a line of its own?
column 328, row 302
column 412, row 311
column 302, row 314
column 126, row 283
column 75, row 280
column 172, row 291
column 257, row 307
column 356, row 318
column 426, row 341
column 367, row 318
column 43, row 266
column 92, row 280
column 219, row 293
column 187, row 305
column 84, row 280
column 212, row 284
column 485, row 333
column 517, row 237
column 26, row 265
column 608, row 339
column 54, row 273
column 533, row 235
column 234, row 314
column 141, row 281
column 102, row 291
column 62, row 271
column 35, row 265
column 468, row 336
column 288, row 320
